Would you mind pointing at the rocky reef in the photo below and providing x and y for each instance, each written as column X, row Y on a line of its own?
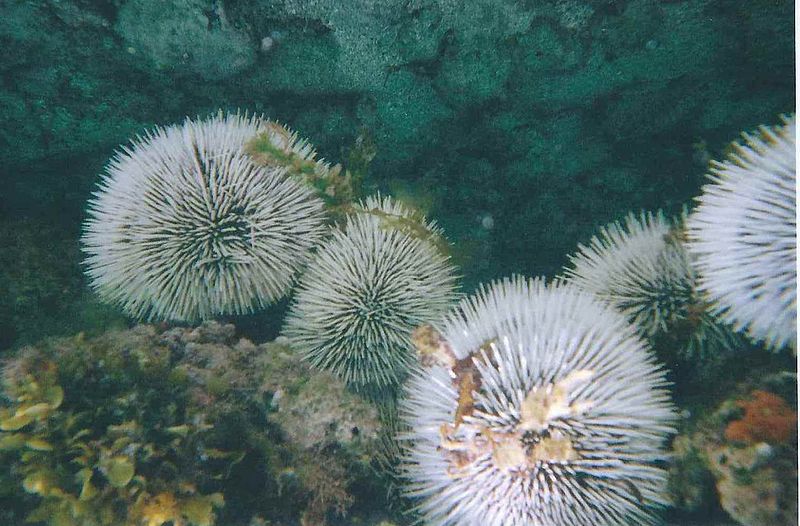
column 41, row 281
column 183, row 426
column 199, row 426
column 741, row 456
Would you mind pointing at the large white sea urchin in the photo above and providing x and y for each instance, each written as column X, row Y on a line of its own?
column 743, row 236
column 367, row 288
column 186, row 226
column 539, row 406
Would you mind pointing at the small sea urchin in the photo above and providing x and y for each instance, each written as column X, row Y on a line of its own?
column 641, row 267
column 367, row 288
column 186, row 226
column 538, row 405
column 743, row 236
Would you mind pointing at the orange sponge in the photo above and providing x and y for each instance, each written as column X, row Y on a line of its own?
column 767, row 418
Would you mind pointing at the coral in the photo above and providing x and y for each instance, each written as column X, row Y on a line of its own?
column 641, row 267
column 368, row 287
column 767, row 418
column 743, row 236
column 539, row 405
column 185, row 226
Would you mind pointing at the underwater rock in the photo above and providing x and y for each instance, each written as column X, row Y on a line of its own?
column 473, row 73
column 545, row 49
column 315, row 411
column 185, row 37
column 752, row 491
column 174, row 424
column 743, row 454
column 691, row 484
column 408, row 111
column 422, row 34
column 426, row 77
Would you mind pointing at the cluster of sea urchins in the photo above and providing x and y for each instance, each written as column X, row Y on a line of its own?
column 729, row 266
column 194, row 221
column 640, row 266
column 535, row 404
column 538, row 405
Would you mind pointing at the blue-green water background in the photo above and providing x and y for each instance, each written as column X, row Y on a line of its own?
column 540, row 119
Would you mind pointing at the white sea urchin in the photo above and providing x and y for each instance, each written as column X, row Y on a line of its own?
column 364, row 292
column 541, row 406
column 743, row 236
column 641, row 267
column 186, row 226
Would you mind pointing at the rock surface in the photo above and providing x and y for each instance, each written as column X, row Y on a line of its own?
column 199, row 416
column 551, row 117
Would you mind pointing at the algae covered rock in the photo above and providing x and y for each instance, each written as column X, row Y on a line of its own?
column 157, row 425
column 314, row 410
column 741, row 457
column 185, row 37
column 753, row 484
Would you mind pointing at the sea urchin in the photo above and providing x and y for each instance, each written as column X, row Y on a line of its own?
column 640, row 266
column 186, row 226
column 367, row 288
column 539, row 405
column 743, row 235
